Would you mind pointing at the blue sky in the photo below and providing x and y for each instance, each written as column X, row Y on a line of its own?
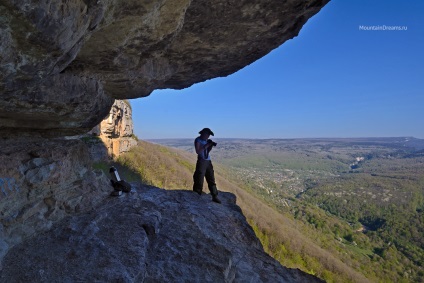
column 333, row 80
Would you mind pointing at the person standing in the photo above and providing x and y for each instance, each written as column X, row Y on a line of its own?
column 204, row 167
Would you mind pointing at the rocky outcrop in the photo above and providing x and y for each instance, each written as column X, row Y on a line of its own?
column 117, row 129
column 40, row 183
column 62, row 63
column 150, row 235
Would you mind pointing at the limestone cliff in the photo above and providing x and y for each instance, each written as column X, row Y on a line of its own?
column 117, row 129
column 62, row 63
column 150, row 235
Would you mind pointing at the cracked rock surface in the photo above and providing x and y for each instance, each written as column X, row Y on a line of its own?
column 149, row 235
column 41, row 182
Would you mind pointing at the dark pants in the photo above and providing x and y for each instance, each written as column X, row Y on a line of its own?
column 204, row 168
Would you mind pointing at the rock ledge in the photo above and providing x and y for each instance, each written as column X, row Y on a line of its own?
column 149, row 235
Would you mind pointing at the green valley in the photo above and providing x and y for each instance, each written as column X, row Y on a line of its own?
column 345, row 210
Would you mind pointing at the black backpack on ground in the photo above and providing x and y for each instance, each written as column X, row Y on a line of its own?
column 121, row 186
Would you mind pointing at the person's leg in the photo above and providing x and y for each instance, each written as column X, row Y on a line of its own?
column 199, row 175
column 210, row 178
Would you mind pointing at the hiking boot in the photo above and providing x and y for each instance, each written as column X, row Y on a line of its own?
column 216, row 199
column 199, row 192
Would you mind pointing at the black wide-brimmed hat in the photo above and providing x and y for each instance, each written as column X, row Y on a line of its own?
column 206, row 130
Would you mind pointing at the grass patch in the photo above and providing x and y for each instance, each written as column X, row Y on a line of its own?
column 360, row 251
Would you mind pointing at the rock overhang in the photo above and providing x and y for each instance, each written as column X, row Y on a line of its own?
column 63, row 64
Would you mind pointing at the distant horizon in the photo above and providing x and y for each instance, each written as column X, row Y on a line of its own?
column 376, row 137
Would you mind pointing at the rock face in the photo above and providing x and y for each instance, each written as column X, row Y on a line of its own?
column 117, row 129
column 150, row 235
column 63, row 62
column 40, row 183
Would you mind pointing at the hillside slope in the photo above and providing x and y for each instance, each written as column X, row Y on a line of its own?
column 172, row 169
column 361, row 199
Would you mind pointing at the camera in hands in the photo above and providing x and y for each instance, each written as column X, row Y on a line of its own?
column 212, row 142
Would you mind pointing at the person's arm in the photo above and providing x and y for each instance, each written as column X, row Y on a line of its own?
column 200, row 148
column 210, row 147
